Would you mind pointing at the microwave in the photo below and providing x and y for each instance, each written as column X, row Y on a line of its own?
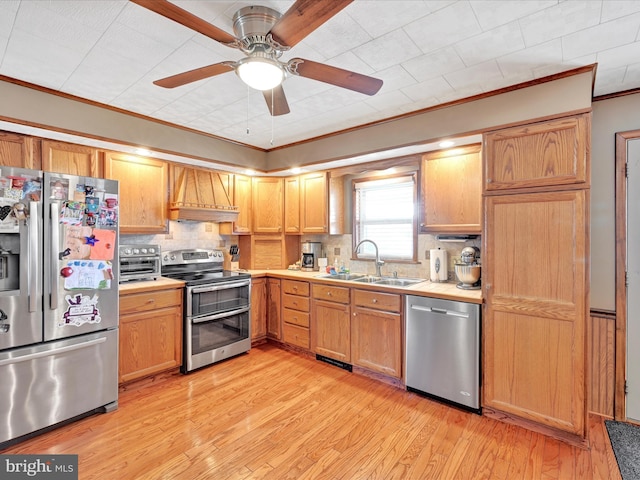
column 140, row 262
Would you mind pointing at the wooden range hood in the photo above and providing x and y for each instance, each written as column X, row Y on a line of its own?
column 201, row 195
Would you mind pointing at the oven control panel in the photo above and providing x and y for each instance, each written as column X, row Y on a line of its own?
column 191, row 256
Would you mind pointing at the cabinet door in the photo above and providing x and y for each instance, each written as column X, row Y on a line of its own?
column 314, row 203
column 258, row 308
column 144, row 192
column 274, row 326
column 538, row 155
column 242, row 200
column 535, row 279
column 150, row 342
column 451, row 197
column 60, row 157
column 17, row 151
column 267, row 201
column 376, row 341
column 292, row 205
column 331, row 330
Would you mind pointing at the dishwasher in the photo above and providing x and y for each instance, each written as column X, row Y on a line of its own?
column 443, row 350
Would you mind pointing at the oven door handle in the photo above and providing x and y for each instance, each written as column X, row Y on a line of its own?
column 216, row 316
column 220, row 286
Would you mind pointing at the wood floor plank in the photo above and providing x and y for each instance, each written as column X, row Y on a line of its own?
column 272, row 414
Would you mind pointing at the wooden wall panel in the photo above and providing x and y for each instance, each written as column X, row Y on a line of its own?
column 602, row 334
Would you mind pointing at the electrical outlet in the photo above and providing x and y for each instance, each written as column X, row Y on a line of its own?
column 427, row 255
column 336, row 251
column 168, row 236
column 208, row 227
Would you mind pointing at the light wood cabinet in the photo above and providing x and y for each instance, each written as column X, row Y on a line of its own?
column 144, row 192
column 292, row 205
column 18, row 151
column 61, row 157
column 150, row 336
column 274, row 324
column 295, row 313
column 376, row 331
column 551, row 153
column 451, row 193
column 314, row 203
column 267, row 204
column 331, row 332
column 258, row 308
column 535, row 275
column 241, row 199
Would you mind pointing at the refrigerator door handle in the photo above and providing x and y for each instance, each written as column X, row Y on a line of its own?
column 55, row 251
column 32, row 279
column 48, row 353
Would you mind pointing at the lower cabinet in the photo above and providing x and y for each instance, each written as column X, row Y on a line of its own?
column 376, row 332
column 150, row 332
column 295, row 313
column 331, row 335
column 258, row 308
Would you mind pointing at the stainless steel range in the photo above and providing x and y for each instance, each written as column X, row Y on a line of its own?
column 217, row 306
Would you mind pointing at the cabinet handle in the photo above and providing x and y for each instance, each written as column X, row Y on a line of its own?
column 151, row 300
column 354, row 314
column 329, row 293
column 375, row 300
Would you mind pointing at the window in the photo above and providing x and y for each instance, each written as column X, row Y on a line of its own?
column 384, row 212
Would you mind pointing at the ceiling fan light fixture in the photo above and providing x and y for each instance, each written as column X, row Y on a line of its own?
column 260, row 73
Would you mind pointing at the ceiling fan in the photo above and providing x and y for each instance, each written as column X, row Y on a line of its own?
column 263, row 35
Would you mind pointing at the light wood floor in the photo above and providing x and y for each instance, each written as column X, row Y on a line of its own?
column 273, row 414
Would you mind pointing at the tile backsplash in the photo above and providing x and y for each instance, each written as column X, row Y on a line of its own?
column 187, row 234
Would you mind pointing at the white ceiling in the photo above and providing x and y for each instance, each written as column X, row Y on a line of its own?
column 426, row 52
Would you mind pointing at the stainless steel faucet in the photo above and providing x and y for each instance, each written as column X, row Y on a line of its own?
column 379, row 262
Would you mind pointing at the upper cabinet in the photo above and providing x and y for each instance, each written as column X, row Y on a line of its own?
column 144, row 192
column 314, row 203
column 306, row 203
column 544, row 154
column 17, row 151
column 267, row 202
column 241, row 198
column 292, row 205
column 61, row 157
column 451, row 194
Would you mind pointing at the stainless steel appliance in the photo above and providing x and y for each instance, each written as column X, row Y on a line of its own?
column 217, row 306
column 58, row 299
column 311, row 251
column 468, row 271
column 443, row 350
column 140, row 262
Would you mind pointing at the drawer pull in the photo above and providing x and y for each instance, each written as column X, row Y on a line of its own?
column 375, row 300
column 329, row 293
column 151, row 300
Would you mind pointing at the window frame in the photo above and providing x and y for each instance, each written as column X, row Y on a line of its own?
column 414, row 174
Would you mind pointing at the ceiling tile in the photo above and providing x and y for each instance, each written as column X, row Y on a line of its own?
column 615, row 9
column 434, row 64
column 493, row 13
column 443, row 27
column 479, row 74
column 499, row 41
column 374, row 17
column 434, row 87
column 387, row 50
column 528, row 59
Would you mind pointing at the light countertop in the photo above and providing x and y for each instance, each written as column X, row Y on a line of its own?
column 446, row 291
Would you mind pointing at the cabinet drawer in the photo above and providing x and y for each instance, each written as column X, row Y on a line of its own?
column 295, row 287
column 296, row 318
column 331, row 294
column 389, row 302
column 295, row 302
column 295, row 335
column 142, row 302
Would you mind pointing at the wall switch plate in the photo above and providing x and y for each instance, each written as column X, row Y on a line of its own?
column 336, row 251
column 208, row 227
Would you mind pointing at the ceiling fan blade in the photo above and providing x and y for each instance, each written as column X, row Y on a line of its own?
column 194, row 75
column 277, row 104
column 335, row 76
column 189, row 20
column 304, row 17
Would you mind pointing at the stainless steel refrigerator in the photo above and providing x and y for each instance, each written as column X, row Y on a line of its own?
column 58, row 299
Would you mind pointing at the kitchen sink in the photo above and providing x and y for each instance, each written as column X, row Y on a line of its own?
column 399, row 282
column 372, row 279
column 343, row 276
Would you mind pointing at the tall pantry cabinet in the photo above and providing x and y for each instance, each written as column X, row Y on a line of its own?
column 536, row 274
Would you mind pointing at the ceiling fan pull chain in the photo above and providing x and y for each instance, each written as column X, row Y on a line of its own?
column 272, row 115
column 248, row 92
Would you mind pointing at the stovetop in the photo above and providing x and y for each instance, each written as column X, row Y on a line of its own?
column 198, row 267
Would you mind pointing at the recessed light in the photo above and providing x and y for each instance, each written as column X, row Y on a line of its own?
column 296, row 170
column 447, row 144
column 143, row 151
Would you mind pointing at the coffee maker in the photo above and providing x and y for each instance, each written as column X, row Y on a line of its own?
column 311, row 251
